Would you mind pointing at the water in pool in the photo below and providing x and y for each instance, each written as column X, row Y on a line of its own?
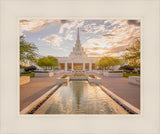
column 80, row 97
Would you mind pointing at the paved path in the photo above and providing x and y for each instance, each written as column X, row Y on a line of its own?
column 121, row 87
column 36, row 88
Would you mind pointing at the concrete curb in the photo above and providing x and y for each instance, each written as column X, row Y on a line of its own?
column 121, row 101
column 38, row 101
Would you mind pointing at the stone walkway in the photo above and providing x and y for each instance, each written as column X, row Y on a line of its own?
column 121, row 87
column 36, row 88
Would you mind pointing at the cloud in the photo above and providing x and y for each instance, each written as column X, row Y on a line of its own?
column 93, row 28
column 71, row 24
column 34, row 25
column 69, row 37
column 134, row 22
column 84, row 31
column 106, row 35
column 99, row 28
column 115, row 40
column 96, row 44
column 118, row 49
column 127, row 40
column 54, row 40
column 96, row 49
column 94, row 54
column 64, row 21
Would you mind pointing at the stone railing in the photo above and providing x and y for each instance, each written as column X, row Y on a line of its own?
column 62, row 80
column 24, row 80
column 49, row 74
column 96, row 80
column 113, row 74
column 78, row 78
column 134, row 80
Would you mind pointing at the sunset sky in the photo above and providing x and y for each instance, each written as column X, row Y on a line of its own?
column 98, row 37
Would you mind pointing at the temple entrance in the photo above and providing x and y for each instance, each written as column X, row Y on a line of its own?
column 69, row 66
column 78, row 66
column 86, row 66
column 62, row 66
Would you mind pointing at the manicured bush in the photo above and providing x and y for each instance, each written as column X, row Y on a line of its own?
column 30, row 68
column 25, row 72
column 28, row 74
column 126, row 67
column 128, row 74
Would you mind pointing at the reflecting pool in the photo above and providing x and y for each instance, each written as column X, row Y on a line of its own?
column 80, row 97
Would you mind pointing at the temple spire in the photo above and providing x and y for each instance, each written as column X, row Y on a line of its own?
column 78, row 40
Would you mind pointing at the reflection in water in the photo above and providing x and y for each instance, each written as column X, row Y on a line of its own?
column 77, row 88
column 79, row 97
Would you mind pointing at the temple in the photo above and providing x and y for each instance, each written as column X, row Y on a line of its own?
column 78, row 59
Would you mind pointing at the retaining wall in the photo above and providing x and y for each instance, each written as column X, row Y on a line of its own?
column 78, row 78
column 96, row 80
column 134, row 80
column 114, row 74
column 24, row 80
column 62, row 80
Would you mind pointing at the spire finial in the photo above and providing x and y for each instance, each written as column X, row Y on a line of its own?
column 78, row 33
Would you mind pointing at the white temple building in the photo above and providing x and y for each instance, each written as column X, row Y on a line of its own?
column 78, row 59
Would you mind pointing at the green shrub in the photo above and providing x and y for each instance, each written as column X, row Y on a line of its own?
column 128, row 74
column 126, row 67
column 92, row 76
column 30, row 68
column 64, row 76
column 29, row 74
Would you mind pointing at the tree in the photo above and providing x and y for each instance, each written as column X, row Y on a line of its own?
column 28, row 51
column 107, row 62
column 133, row 54
column 47, row 62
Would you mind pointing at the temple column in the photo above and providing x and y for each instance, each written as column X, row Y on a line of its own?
column 72, row 66
column 90, row 66
column 66, row 66
column 83, row 66
column 59, row 66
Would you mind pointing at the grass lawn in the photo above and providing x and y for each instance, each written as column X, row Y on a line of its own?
column 30, row 74
column 127, row 75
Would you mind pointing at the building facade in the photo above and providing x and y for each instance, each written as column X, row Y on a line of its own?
column 78, row 59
